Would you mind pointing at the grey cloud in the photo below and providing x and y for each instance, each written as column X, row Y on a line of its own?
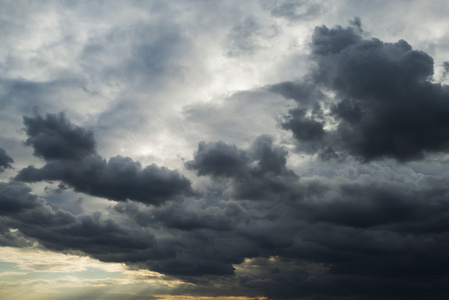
column 241, row 39
column 57, row 229
column 257, row 173
column 71, row 158
column 159, row 53
column 269, row 157
column 143, row 55
column 5, row 160
column 208, row 237
column 22, row 210
column 303, row 128
column 294, row 10
column 221, row 159
column 27, row 94
column 15, row 197
column 218, row 159
column 54, row 137
column 248, row 37
column 226, row 118
column 326, row 235
column 389, row 206
column 94, row 234
column 351, row 234
column 355, row 229
column 348, row 110
column 289, row 279
column 327, row 41
column 445, row 70
column 346, row 230
column 193, row 216
column 385, row 104
column 302, row 92
column 197, row 242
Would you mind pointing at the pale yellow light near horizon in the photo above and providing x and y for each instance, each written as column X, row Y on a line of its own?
column 39, row 273
column 44, row 274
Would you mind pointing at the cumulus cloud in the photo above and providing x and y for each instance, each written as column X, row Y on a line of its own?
column 54, row 137
column 92, row 233
column 385, row 104
column 257, row 173
column 16, row 197
column 72, row 158
column 5, row 160
column 348, row 229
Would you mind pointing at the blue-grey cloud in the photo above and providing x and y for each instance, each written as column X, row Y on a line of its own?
column 5, row 160
column 294, row 11
column 385, row 103
column 72, row 158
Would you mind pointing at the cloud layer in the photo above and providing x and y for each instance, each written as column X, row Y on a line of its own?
column 324, row 234
column 238, row 150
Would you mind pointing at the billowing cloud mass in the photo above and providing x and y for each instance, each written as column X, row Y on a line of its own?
column 385, row 104
column 250, row 151
column 5, row 160
column 72, row 158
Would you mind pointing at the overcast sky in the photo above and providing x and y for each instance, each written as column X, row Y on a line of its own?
column 239, row 150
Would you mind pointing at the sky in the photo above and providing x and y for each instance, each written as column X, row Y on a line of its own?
column 227, row 150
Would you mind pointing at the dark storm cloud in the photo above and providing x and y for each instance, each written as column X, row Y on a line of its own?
column 355, row 229
column 210, row 236
column 304, row 128
column 201, row 238
column 72, row 158
column 323, row 236
column 218, row 159
column 327, row 41
column 359, row 232
column 382, row 262
column 332, row 236
column 54, row 137
column 346, row 234
column 388, row 205
column 95, row 234
column 289, row 279
column 19, row 209
column 257, row 173
column 5, row 160
column 385, row 103
column 232, row 221
column 15, row 197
